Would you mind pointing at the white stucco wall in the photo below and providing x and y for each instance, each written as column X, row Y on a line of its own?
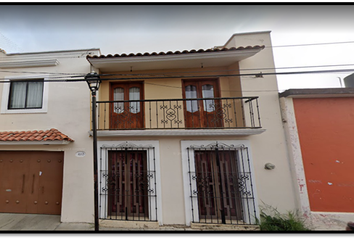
column 68, row 111
column 275, row 186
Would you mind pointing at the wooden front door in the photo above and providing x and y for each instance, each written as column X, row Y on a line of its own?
column 127, row 115
column 218, row 186
column 31, row 182
column 128, row 185
column 202, row 113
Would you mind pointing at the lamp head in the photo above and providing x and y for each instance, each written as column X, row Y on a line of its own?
column 93, row 81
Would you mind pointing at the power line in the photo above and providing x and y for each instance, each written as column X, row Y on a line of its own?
column 163, row 85
column 143, row 77
column 201, row 71
column 59, row 54
column 234, row 75
column 310, row 44
column 91, row 49
column 53, row 73
column 9, row 41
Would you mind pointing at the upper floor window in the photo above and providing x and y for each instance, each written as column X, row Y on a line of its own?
column 26, row 94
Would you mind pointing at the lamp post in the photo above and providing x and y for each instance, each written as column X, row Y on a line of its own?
column 93, row 80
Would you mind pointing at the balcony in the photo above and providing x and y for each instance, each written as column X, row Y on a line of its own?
column 175, row 114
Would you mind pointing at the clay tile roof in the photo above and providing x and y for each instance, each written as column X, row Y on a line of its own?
column 48, row 135
column 177, row 52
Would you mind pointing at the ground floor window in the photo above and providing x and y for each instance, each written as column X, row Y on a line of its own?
column 220, row 184
column 128, row 183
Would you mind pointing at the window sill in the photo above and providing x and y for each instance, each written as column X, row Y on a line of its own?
column 14, row 111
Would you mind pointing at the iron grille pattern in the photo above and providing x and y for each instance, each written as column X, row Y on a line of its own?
column 221, row 188
column 128, row 183
column 196, row 113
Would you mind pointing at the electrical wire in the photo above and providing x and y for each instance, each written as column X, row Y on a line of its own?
column 53, row 73
column 87, row 51
column 309, row 44
column 201, row 71
column 201, row 76
column 61, row 54
column 93, row 49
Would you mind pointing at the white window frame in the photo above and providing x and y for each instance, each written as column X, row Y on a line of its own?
column 6, row 94
column 186, row 181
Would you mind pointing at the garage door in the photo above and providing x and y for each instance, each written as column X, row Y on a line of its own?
column 31, row 182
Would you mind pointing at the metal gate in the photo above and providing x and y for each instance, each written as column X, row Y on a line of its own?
column 128, row 184
column 221, row 188
column 31, row 182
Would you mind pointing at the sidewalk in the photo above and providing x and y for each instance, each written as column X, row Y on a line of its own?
column 37, row 222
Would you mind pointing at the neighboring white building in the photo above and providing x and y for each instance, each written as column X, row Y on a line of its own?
column 161, row 158
column 46, row 172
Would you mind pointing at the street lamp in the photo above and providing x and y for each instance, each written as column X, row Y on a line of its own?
column 93, row 80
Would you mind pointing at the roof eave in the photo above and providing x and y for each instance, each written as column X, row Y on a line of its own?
column 219, row 58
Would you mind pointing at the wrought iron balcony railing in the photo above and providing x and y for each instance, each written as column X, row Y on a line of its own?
column 196, row 113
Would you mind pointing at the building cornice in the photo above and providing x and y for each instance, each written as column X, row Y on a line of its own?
column 29, row 63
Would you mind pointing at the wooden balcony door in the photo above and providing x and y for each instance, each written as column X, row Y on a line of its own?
column 127, row 115
column 202, row 113
column 128, row 185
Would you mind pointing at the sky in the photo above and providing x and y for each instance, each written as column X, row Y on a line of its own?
column 117, row 29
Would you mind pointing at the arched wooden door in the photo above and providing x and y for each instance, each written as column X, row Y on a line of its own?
column 127, row 115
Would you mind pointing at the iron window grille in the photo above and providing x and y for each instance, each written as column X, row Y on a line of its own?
column 221, row 185
column 127, row 183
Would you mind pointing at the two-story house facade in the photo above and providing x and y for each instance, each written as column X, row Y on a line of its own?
column 184, row 137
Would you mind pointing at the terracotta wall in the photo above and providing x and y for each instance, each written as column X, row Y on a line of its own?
column 326, row 134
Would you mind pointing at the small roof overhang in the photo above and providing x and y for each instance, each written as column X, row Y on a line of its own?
column 173, row 60
column 34, row 137
column 318, row 93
